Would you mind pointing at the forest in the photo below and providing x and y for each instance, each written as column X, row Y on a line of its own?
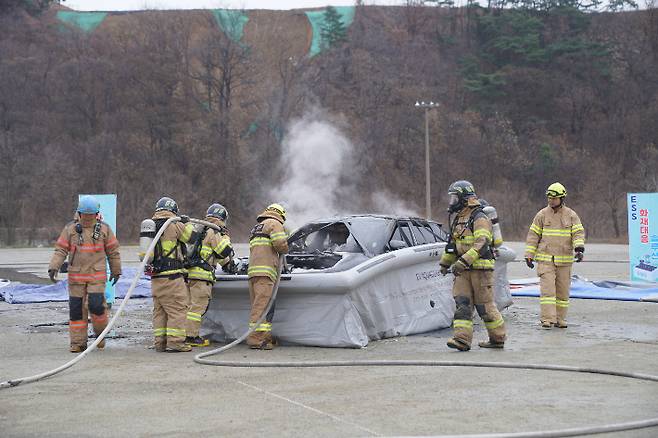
column 315, row 109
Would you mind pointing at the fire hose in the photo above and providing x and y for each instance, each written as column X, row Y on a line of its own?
column 110, row 325
column 201, row 359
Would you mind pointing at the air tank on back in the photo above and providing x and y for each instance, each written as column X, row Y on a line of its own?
column 491, row 213
column 146, row 234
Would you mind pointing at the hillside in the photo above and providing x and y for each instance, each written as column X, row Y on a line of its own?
column 251, row 107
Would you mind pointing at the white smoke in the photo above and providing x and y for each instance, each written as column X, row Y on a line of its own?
column 320, row 176
column 386, row 203
column 315, row 153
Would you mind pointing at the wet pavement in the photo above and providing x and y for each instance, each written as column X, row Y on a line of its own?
column 129, row 390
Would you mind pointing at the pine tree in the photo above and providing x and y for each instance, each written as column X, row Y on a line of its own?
column 333, row 30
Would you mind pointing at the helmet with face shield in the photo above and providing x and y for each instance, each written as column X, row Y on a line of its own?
column 458, row 194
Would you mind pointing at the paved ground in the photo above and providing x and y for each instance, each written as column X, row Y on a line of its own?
column 129, row 390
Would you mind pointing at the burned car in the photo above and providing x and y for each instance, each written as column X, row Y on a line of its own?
column 349, row 280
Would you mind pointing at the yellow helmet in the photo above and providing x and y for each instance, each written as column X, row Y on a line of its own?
column 277, row 208
column 556, row 190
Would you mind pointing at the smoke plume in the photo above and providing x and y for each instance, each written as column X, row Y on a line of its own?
column 320, row 178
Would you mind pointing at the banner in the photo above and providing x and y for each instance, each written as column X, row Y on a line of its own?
column 109, row 216
column 643, row 236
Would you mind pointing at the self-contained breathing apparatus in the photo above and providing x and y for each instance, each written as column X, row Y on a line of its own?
column 96, row 234
column 73, row 252
column 159, row 261
column 193, row 257
column 488, row 250
column 490, row 211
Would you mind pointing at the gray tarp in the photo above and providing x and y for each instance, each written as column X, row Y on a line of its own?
column 388, row 295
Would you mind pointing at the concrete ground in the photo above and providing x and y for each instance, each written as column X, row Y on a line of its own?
column 129, row 390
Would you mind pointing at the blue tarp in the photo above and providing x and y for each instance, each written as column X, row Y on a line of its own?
column 19, row 293
column 599, row 290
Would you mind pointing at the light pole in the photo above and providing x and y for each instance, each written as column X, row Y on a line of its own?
column 428, row 201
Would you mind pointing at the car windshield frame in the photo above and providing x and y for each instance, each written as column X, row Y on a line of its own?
column 368, row 233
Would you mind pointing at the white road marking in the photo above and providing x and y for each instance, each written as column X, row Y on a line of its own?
column 317, row 411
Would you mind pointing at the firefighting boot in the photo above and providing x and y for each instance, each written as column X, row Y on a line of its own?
column 458, row 344
column 77, row 348
column 179, row 349
column 255, row 340
column 196, row 341
column 561, row 324
column 101, row 345
column 546, row 324
column 160, row 344
column 265, row 345
column 490, row 344
column 267, row 342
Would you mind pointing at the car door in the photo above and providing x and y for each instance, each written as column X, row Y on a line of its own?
column 422, row 233
column 403, row 233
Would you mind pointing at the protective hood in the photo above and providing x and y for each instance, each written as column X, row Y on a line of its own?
column 216, row 221
column 271, row 215
column 163, row 214
column 88, row 223
column 473, row 202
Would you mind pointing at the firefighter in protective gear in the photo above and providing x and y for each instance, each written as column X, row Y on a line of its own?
column 470, row 257
column 556, row 238
column 168, row 279
column 211, row 247
column 88, row 243
column 267, row 242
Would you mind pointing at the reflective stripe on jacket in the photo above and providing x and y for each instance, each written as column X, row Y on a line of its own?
column 553, row 236
column 268, row 241
column 87, row 256
column 471, row 245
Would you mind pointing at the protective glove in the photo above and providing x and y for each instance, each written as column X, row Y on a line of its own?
column 230, row 267
column 459, row 267
column 184, row 218
column 52, row 273
column 444, row 270
column 114, row 278
column 528, row 261
column 578, row 257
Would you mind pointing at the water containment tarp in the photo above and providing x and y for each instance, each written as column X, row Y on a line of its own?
column 598, row 290
column 18, row 293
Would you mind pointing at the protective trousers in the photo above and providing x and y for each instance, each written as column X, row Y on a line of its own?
column 554, row 284
column 260, row 291
column 169, row 310
column 86, row 299
column 475, row 289
column 199, row 296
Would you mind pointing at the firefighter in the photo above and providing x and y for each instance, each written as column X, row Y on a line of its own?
column 267, row 242
column 168, row 278
column 88, row 242
column 469, row 255
column 556, row 238
column 210, row 248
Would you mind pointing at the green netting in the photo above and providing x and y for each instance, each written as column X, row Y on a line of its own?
column 231, row 22
column 251, row 130
column 317, row 20
column 85, row 21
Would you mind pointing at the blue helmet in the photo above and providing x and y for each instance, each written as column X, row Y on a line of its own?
column 88, row 205
column 168, row 204
column 218, row 211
